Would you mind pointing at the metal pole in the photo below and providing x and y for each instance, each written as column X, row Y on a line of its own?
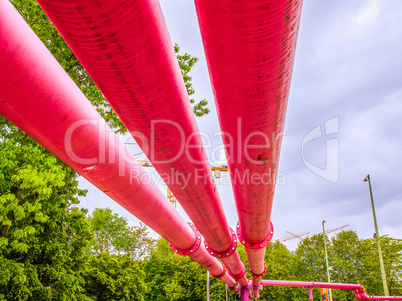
column 226, row 292
column 326, row 258
column 377, row 234
column 207, row 285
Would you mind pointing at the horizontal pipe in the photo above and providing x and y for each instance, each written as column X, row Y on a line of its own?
column 359, row 289
column 126, row 49
column 250, row 49
column 37, row 96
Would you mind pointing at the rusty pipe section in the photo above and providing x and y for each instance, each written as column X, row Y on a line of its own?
column 250, row 48
column 38, row 96
column 126, row 48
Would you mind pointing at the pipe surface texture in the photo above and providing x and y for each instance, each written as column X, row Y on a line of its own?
column 125, row 47
column 250, row 48
column 37, row 95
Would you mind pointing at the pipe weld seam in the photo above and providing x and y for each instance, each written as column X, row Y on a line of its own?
column 238, row 276
column 228, row 252
column 221, row 274
column 258, row 275
column 260, row 245
column 195, row 246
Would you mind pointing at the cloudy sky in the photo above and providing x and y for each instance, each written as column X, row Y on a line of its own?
column 343, row 119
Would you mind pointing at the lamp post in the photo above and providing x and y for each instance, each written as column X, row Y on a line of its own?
column 326, row 258
column 377, row 234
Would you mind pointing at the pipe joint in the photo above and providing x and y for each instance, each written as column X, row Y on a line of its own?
column 260, row 245
column 194, row 248
column 242, row 273
column 221, row 274
column 228, row 252
column 258, row 275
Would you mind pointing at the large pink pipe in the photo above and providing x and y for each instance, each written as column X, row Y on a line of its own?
column 358, row 289
column 250, row 48
column 125, row 47
column 39, row 97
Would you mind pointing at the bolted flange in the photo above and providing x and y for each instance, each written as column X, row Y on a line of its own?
column 259, row 245
column 193, row 248
column 242, row 273
column 228, row 252
column 221, row 274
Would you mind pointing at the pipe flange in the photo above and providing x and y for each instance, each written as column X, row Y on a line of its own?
column 228, row 252
column 242, row 273
column 221, row 274
column 258, row 275
column 260, row 245
column 193, row 248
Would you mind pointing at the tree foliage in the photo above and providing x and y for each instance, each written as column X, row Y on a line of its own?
column 113, row 235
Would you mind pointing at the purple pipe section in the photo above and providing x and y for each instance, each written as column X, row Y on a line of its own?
column 38, row 96
column 250, row 48
column 125, row 47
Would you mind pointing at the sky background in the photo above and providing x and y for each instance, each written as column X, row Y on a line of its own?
column 346, row 85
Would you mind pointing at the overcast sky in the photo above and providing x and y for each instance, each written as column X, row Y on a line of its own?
column 343, row 119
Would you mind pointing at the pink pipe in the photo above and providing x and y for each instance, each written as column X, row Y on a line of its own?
column 126, row 49
column 359, row 289
column 250, row 49
column 39, row 97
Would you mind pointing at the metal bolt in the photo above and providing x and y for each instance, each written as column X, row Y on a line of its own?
column 198, row 237
column 227, row 254
column 212, row 253
column 244, row 242
column 191, row 224
column 235, row 241
column 260, row 246
column 177, row 251
column 272, row 232
column 238, row 226
column 233, row 249
column 207, row 247
column 219, row 256
column 191, row 251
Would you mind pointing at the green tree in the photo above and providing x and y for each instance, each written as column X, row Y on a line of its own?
column 42, row 235
column 281, row 264
column 113, row 235
column 114, row 277
column 172, row 277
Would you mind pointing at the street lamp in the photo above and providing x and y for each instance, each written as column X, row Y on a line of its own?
column 326, row 258
column 377, row 236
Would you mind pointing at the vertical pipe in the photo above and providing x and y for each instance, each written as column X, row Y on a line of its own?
column 326, row 257
column 377, row 234
column 310, row 294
